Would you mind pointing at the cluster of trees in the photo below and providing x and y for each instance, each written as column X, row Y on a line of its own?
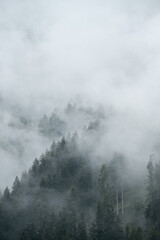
column 63, row 197
column 153, row 200
column 70, row 119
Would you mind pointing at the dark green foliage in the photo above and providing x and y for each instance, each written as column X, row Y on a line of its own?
column 104, row 181
column 135, row 234
column 61, row 197
column 16, row 187
column 81, row 229
column 60, row 178
column 29, row 233
column 93, row 234
column 153, row 200
column 153, row 190
column 6, row 195
column 106, row 224
column 65, row 195
column 154, row 233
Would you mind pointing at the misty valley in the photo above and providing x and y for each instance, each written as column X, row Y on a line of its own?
column 73, row 191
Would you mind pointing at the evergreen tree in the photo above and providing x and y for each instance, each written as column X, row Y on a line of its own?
column 6, row 195
column 104, row 181
column 16, row 187
column 136, row 234
column 81, row 229
column 107, row 224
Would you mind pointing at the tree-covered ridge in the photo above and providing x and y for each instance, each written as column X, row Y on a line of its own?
column 63, row 196
column 24, row 128
column 62, row 178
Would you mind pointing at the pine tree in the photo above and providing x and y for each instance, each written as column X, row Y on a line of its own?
column 136, row 234
column 16, row 187
column 93, row 231
column 104, row 181
column 6, row 195
column 107, row 224
column 81, row 229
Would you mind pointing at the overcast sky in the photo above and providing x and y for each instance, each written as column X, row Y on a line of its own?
column 97, row 51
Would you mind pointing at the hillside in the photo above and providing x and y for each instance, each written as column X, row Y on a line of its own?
column 64, row 196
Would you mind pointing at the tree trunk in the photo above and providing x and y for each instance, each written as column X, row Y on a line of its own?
column 117, row 201
column 122, row 198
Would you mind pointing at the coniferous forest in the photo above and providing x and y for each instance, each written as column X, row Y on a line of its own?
column 68, row 193
column 79, row 120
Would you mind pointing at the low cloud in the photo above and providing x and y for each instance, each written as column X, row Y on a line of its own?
column 91, row 52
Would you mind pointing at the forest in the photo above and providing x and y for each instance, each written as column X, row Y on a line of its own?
column 79, row 120
column 72, row 193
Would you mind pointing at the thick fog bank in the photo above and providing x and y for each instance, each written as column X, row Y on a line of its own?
column 89, row 52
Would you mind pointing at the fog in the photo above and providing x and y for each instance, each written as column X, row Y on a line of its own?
column 94, row 53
